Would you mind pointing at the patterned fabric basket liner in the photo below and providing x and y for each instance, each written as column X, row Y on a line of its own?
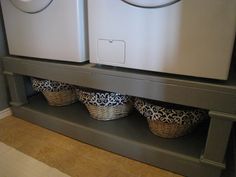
column 56, row 93
column 106, row 105
column 41, row 85
column 103, row 98
column 169, row 122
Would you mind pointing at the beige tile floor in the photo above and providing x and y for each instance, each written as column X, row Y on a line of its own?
column 71, row 156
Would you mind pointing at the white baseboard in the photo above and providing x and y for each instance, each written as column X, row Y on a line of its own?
column 6, row 112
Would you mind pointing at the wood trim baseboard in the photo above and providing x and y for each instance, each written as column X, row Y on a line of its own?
column 6, row 112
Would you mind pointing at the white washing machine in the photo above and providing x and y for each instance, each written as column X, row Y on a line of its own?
column 47, row 29
column 186, row 37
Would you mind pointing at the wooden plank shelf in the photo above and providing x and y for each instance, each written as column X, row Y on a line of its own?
column 128, row 136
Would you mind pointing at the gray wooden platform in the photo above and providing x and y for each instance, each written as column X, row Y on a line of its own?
column 199, row 154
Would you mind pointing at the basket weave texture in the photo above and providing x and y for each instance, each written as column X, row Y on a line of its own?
column 109, row 112
column 169, row 123
column 169, row 130
column 56, row 93
column 106, row 105
column 60, row 98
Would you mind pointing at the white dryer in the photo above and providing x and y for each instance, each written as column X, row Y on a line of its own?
column 47, row 29
column 186, row 37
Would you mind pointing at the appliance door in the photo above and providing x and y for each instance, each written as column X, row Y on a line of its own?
column 186, row 37
column 31, row 6
column 151, row 3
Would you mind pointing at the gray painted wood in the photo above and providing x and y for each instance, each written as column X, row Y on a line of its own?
column 3, row 91
column 218, row 137
column 17, row 89
column 231, row 156
column 208, row 94
column 129, row 137
column 217, row 96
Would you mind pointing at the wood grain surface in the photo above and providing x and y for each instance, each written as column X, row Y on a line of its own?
column 71, row 156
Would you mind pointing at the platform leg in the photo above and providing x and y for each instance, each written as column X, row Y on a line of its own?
column 218, row 138
column 3, row 91
column 16, row 88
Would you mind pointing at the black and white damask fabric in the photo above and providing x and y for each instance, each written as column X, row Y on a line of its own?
column 103, row 98
column 49, row 85
column 182, row 117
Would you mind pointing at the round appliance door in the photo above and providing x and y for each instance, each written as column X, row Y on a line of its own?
column 151, row 3
column 31, row 6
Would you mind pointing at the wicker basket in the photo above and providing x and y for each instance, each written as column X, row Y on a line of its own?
column 60, row 98
column 105, row 105
column 169, row 130
column 170, row 122
column 56, row 93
